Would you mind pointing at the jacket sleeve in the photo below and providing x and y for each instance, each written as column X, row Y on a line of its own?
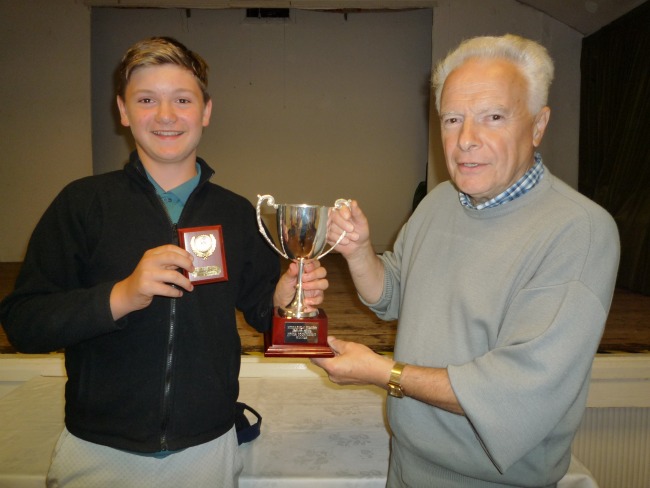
column 262, row 271
column 52, row 307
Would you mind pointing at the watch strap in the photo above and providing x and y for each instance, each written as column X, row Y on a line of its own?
column 396, row 374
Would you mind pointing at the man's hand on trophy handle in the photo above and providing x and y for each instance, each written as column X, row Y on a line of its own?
column 336, row 234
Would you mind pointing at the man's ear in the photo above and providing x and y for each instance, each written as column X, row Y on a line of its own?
column 124, row 118
column 539, row 126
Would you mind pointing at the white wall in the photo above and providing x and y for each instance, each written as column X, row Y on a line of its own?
column 45, row 111
column 46, row 122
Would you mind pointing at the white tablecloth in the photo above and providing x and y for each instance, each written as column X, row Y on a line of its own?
column 314, row 434
column 31, row 419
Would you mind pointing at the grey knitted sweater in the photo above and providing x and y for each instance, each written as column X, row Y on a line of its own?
column 512, row 300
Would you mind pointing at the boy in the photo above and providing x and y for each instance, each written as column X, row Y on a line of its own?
column 152, row 359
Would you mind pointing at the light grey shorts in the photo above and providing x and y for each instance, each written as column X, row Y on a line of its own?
column 78, row 463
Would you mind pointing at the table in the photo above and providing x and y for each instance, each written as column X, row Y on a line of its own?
column 314, row 433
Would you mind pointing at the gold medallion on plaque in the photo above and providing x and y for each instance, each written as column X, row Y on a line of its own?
column 203, row 245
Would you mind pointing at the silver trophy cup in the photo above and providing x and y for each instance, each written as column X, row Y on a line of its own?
column 302, row 231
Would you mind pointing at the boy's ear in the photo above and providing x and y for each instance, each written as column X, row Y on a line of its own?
column 207, row 112
column 124, row 118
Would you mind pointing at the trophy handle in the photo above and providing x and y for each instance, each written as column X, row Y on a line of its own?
column 338, row 204
column 270, row 201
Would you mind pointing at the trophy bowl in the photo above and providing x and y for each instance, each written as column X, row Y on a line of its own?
column 303, row 235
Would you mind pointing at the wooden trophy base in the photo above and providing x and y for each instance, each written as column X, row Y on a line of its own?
column 298, row 338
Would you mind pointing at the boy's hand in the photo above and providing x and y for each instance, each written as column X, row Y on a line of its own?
column 156, row 274
column 314, row 284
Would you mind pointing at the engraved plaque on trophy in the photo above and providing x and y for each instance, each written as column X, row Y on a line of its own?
column 206, row 246
column 302, row 232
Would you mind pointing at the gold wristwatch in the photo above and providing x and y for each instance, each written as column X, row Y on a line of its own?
column 394, row 383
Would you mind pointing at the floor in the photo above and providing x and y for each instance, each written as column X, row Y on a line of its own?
column 627, row 329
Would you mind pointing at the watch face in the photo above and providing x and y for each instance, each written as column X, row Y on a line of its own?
column 395, row 390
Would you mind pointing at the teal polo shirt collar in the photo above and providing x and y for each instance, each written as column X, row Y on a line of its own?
column 176, row 198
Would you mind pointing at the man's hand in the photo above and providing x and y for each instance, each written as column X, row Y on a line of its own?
column 355, row 364
column 355, row 224
column 157, row 273
column 366, row 268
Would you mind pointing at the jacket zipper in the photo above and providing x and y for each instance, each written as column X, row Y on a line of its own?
column 168, row 376
column 166, row 408
column 166, row 405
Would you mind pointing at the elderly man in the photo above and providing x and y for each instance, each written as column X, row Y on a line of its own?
column 502, row 280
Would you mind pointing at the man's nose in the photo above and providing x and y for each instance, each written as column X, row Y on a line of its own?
column 468, row 137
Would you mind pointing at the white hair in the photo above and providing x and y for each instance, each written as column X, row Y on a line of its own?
column 531, row 58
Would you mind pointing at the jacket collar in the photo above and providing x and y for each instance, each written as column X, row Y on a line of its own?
column 135, row 166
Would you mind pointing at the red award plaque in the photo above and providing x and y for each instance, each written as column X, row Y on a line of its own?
column 298, row 337
column 206, row 246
